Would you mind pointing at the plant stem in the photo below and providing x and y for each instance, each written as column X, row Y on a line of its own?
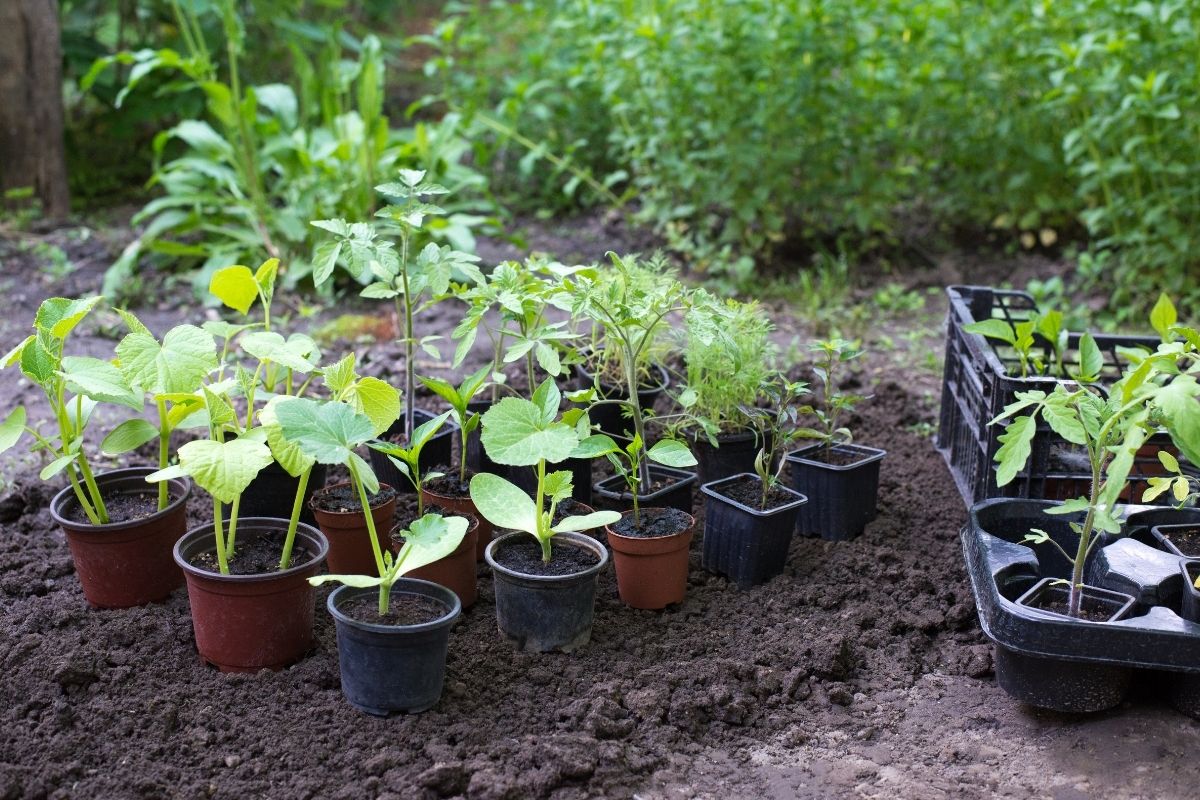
column 543, row 518
column 81, row 496
column 285, row 560
column 385, row 594
column 93, row 489
column 370, row 519
column 164, row 447
column 219, row 531
column 233, row 520
column 409, row 367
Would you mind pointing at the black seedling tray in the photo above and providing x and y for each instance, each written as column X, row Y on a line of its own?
column 980, row 380
column 1051, row 661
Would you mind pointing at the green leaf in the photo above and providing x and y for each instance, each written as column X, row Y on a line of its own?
column 58, row 316
column 99, row 380
column 287, row 454
column 557, row 485
column 429, row 539
column 1178, row 402
column 325, row 259
column 353, row 581
column 517, row 432
column 1122, row 463
column 235, row 287
column 671, row 453
column 1163, row 316
column 179, row 365
column 14, row 356
column 12, row 428
column 1157, row 487
column 129, row 435
column 57, row 465
column 993, row 329
column 586, row 522
column 1064, row 420
column 378, row 400
column 223, row 469
column 328, row 432
column 339, row 376
column 594, row 446
column 1091, row 360
column 38, row 363
column 1015, row 448
column 503, row 504
column 270, row 346
column 1168, row 461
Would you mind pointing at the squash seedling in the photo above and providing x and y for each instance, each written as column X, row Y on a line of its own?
column 459, row 399
column 408, row 459
column 528, row 433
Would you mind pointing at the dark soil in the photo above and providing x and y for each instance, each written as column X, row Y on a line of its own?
column 525, row 555
column 834, row 457
column 121, row 507
column 403, row 609
column 748, row 492
column 406, row 514
column 448, row 485
column 655, row 522
column 254, row 556
column 342, row 499
column 1187, row 541
column 1057, row 599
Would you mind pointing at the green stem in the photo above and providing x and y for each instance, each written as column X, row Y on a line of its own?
column 233, row 520
column 385, row 593
column 285, row 560
column 81, row 496
column 93, row 489
column 370, row 520
column 164, row 455
column 219, row 536
column 544, row 520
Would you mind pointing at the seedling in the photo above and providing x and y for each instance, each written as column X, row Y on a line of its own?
column 73, row 385
column 459, row 398
column 778, row 428
column 1022, row 337
column 528, row 433
column 1183, row 487
column 627, row 460
column 408, row 459
column 834, row 404
column 428, row 539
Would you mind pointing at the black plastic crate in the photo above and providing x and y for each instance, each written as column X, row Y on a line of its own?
column 981, row 379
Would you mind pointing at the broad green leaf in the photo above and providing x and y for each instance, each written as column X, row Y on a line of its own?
column 586, row 522
column 14, row 356
column 1179, row 404
column 427, row 430
column 594, row 446
column 38, row 363
column 328, row 432
column 671, row 453
column 1180, row 489
column 503, row 504
column 1024, row 400
column 12, row 428
column 1168, row 461
column 340, row 375
column 353, row 581
column 58, row 316
column 129, row 435
column 1015, row 448
column 222, row 329
column 1163, row 316
column 265, row 277
column 1157, row 487
column 1064, row 420
column 235, row 287
column 287, row 454
column 993, row 329
column 516, row 432
column 1091, row 360
column 429, row 539
column 57, row 465
column 220, row 412
column 99, row 380
column 378, row 400
column 179, row 365
column 325, row 259
column 224, row 469
column 442, row 389
column 557, row 485
column 270, row 346
column 1122, row 462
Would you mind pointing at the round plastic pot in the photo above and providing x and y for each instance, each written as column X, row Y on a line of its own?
column 1076, row 687
column 350, row 550
column 745, row 544
column 273, row 492
column 610, row 416
column 126, row 564
column 389, row 669
column 463, row 505
column 542, row 613
column 651, row 572
column 844, row 497
column 457, row 571
column 733, row 454
column 612, row 493
column 436, row 450
column 245, row 623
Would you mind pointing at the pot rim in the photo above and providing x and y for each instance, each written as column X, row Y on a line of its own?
column 710, row 489
column 574, row 537
column 439, row 593
column 690, row 529
column 1122, row 611
column 1186, row 566
column 312, row 501
column 870, row 455
column 1161, row 533
column 67, row 494
column 682, row 478
column 243, row 526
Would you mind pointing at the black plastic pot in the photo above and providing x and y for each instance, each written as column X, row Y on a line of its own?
column 744, row 544
column 843, row 497
column 733, row 454
column 581, row 477
column 609, row 416
column 273, row 491
column 541, row 613
column 1190, row 596
column 1163, row 536
column 389, row 669
column 1117, row 605
column 612, row 493
column 477, row 457
column 436, row 451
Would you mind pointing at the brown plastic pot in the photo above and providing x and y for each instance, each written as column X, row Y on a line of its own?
column 350, row 550
column 126, row 564
column 651, row 572
column 466, row 507
column 456, row 571
column 246, row 623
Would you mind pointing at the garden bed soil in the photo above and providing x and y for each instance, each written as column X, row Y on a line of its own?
column 748, row 492
column 258, row 556
column 403, row 609
column 1187, row 541
column 655, row 523
column 343, row 499
column 121, row 507
column 525, row 556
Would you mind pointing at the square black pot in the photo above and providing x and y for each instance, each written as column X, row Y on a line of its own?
column 436, row 451
column 844, row 497
column 612, row 493
column 746, row 545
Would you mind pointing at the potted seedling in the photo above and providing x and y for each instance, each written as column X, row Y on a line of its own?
column 840, row 477
column 119, row 531
column 403, row 279
column 749, row 518
column 727, row 364
column 252, row 607
column 650, row 545
column 393, row 631
column 632, row 303
column 545, row 571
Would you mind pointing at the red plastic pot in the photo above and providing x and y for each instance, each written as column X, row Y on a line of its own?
column 456, row 571
column 466, row 507
column 652, row 572
column 125, row 564
column 246, row 623
column 350, row 550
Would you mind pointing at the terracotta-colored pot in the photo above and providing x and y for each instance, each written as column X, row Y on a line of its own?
column 245, row 623
column 350, row 550
column 651, row 572
column 465, row 506
column 125, row 564
column 456, row 571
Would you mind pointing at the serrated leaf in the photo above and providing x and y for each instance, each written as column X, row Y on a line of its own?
column 270, row 346
column 1064, row 420
column 129, row 435
column 14, row 356
column 58, row 316
column 179, row 365
column 557, row 485
column 99, row 380
column 38, row 363
column 287, row 454
column 377, row 400
column 223, row 469
column 1015, row 448
column 327, row 432
column 340, row 375
column 503, row 504
column 516, row 433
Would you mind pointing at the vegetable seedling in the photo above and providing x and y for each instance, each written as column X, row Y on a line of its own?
column 459, row 398
column 408, row 459
column 832, row 355
column 778, row 428
column 627, row 460
column 528, row 433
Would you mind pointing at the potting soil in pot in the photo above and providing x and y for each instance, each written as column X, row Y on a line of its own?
column 254, row 556
column 121, row 507
column 344, row 499
column 525, row 556
column 654, row 522
column 403, row 609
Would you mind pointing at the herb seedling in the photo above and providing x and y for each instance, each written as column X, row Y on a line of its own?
column 459, row 398
column 834, row 404
column 778, row 428
column 528, row 433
